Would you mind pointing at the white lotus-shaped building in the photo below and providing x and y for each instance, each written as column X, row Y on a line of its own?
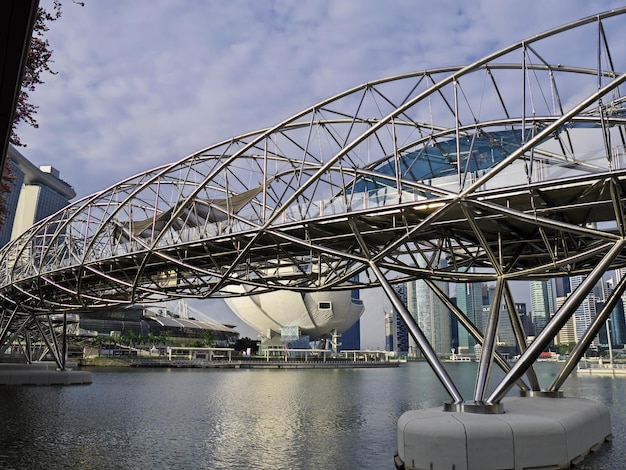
column 317, row 314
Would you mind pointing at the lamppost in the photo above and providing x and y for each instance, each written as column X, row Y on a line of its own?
column 608, row 335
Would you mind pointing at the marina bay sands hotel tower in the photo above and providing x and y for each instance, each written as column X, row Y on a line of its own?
column 36, row 193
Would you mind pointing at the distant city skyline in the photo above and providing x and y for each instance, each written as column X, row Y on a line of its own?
column 543, row 297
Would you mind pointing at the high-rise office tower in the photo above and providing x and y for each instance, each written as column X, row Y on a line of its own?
column 351, row 338
column 527, row 324
column 541, row 303
column 505, row 335
column 586, row 311
column 35, row 194
column 396, row 333
column 567, row 334
column 431, row 314
column 616, row 326
column 562, row 286
column 618, row 276
column 390, row 344
column 469, row 299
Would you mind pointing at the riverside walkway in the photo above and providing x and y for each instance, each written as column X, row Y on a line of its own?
column 605, row 369
column 262, row 364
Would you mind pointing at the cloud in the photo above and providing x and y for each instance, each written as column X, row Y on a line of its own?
column 144, row 83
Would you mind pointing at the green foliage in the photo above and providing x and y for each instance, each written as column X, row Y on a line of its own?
column 209, row 338
column 564, row 349
column 242, row 344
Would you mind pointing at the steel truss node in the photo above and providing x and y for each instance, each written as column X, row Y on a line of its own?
column 509, row 168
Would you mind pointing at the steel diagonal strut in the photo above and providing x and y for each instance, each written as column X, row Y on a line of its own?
column 520, row 335
column 419, row 337
column 592, row 331
column 472, row 330
column 489, row 345
column 555, row 324
column 411, row 324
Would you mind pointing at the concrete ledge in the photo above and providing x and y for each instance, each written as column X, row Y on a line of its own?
column 537, row 433
column 612, row 371
column 41, row 374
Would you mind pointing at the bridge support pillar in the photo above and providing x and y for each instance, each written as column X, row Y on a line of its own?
column 533, row 432
column 42, row 373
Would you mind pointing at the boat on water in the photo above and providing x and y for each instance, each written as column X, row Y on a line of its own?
column 458, row 358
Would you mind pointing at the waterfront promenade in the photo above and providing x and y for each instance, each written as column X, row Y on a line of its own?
column 259, row 364
column 616, row 369
column 364, row 360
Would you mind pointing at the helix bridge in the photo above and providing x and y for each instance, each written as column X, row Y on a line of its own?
column 511, row 168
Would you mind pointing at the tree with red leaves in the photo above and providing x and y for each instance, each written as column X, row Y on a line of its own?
column 37, row 63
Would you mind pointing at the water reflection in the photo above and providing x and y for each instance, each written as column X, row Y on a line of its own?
column 218, row 419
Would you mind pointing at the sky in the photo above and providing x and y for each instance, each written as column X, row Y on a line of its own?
column 143, row 83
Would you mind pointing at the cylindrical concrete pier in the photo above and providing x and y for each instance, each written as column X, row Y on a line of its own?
column 532, row 432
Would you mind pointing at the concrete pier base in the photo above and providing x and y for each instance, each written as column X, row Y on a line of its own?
column 532, row 433
column 41, row 373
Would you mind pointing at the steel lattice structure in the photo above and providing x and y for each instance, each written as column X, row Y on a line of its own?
column 509, row 168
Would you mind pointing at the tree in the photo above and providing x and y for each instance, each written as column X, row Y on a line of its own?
column 242, row 344
column 37, row 63
column 6, row 185
column 168, row 338
column 564, row 348
column 99, row 340
column 130, row 338
column 209, row 337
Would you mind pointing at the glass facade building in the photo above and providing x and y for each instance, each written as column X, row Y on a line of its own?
column 541, row 303
column 36, row 193
column 469, row 299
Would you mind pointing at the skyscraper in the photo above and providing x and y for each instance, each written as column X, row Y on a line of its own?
column 398, row 328
column 567, row 334
column 351, row 338
column 541, row 303
column 36, row 193
column 586, row 311
column 617, row 320
column 390, row 344
column 505, row 336
column 469, row 299
column 562, row 286
column 618, row 276
column 431, row 314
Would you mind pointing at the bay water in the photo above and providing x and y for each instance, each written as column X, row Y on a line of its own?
column 246, row 419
